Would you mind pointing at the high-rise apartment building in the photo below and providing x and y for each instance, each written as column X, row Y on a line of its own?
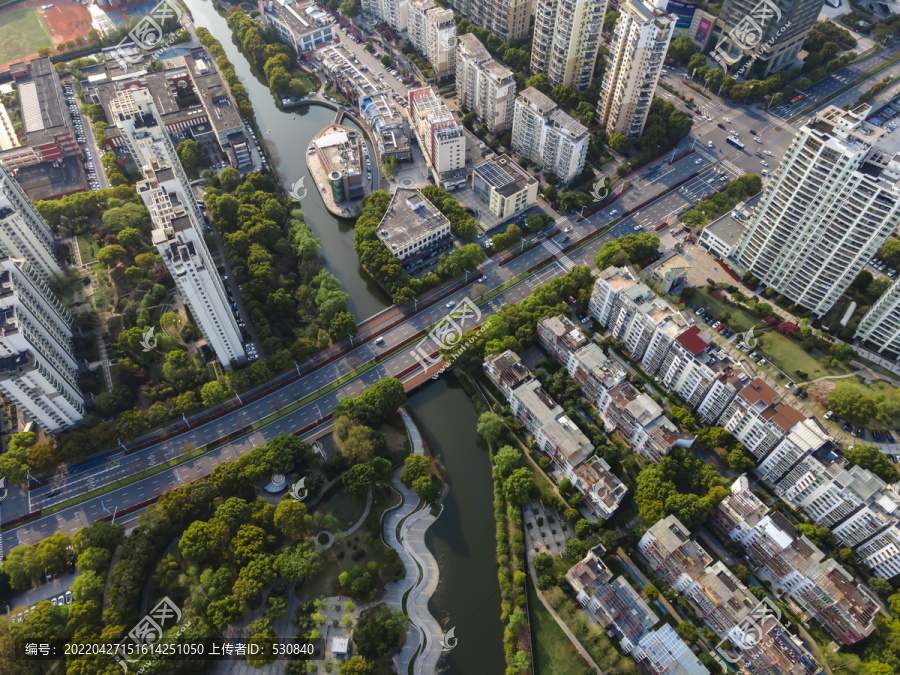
column 23, row 232
column 178, row 225
column 691, row 365
column 441, row 136
column 636, row 51
column 756, row 418
column 545, row 135
column 507, row 19
column 772, row 31
column 832, row 203
column 38, row 370
column 879, row 329
column 566, row 38
column 432, row 31
column 392, row 12
column 484, row 85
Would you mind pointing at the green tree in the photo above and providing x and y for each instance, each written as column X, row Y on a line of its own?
column 342, row 325
column 518, row 486
column 378, row 633
column 871, row 458
column 414, row 467
column 842, row 350
column 540, row 82
column 190, row 153
column 212, row 394
column 651, row 592
column 350, row 9
column 881, row 586
column 109, row 256
column 687, row 632
column 230, row 179
column 849, row 403
column 290, row 518
column 95, row 559
column 619, row 143
column 739, row 461
column 507, row 460
column 359, row 479
column 491, row 427
column 298, row 564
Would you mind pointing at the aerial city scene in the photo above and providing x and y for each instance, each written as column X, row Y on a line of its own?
column 464, row 337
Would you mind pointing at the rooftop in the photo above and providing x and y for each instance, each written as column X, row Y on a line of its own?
column 40, row 99
column 541, row 103
column 563, row 330
column 340, row 149
column 504, row 175
column 409, row 216
column 693, row 340
column 607, row 371
column 51, row 180
column 562, row 432
column 300, row 17
column 508, row 368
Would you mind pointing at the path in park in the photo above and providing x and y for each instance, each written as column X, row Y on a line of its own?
column 413, row 519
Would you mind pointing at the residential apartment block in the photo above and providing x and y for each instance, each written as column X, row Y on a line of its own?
column 776, row 550
column 721, row 392
column 412, row 224
column 432, row 31
column 556, row 434
column 588, row 575
column 566, row 39
column 38, row 370
column 178, row 227
column 302, row 25
column 641, row 421
column 441, row 137
column 636, row 51
column 691, row 366
column 484, row 85
column 723, row 603
column 662, row 651
column 879, row 329
column 617, row 607
column 504, row 186
column 756, row 418
column 545, row 135
column 395, row 13
column 507, row 19
column 833, row 201
column 23, row 232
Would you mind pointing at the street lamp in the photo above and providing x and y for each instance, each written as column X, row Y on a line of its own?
column 318, row 410
column 298, row 368
column 3, row 493
column 238, row 396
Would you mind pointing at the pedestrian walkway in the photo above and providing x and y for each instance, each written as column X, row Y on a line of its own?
column 413, row 518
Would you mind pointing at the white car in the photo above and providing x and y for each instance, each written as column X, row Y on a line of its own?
column 710, row 144
column 568, row 230
column 765, row 172
column 708, row 118
column 764, row 162
column 613, row 212
column 450, row 305
column 52, row 602
column 699, row 161
column 768, row 152
column 727, row 119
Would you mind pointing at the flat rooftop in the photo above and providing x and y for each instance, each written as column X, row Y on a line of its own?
column 46, row 181
column 340, row 149
column 300, row 17
column 540, row 102
column 41, row 99
column 504, row 175
column 409, row 216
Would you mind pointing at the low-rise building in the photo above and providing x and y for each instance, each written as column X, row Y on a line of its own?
column 756, row 418
column 667, row 273
column 545, row 135
column 640, row 419
column 618, row 607
column 412, row 225
column 301, row 25
column 507, row 189
column 662, row 652
column 721, row 237
column 588, row 575
column 340, row 151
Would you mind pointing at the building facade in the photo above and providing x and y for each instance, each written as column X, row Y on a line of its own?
column 432, row 31
column 829, row 207
column 178, row 228
column 23, row 232
column 302, row 25
column 507, row 189
column 441, row 137
column 756, row 418
column 507, row 19
column 484, row 85
column 412, row 225
column 545, row 135
column 38, row 370
column 566, row 39
column 637, row 49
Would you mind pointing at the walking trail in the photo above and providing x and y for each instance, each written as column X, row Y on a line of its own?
column 412, row 519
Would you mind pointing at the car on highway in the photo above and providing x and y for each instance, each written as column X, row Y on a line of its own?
column 710, row 144
column 450, row 304
column 699, row 161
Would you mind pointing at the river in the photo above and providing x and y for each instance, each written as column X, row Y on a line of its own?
column 287, row 143
column 463, row 539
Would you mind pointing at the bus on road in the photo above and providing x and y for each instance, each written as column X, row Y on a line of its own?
column 735, row 142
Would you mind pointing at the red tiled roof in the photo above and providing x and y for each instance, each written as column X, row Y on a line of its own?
column 692, row 340
column 758, row 390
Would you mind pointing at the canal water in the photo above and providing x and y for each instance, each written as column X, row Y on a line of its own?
column 287, row 135
column 463, row 539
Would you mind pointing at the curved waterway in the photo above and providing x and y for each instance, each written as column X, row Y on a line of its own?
column 287, row 135
column 463, row 540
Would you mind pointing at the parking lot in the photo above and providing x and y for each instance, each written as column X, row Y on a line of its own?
column 90, row 169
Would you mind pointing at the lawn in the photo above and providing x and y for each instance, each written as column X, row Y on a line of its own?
column 346, row 508
column 741, row 320
column 22, row 33
column 552, row 650
column 86, row 248
column 789, row 356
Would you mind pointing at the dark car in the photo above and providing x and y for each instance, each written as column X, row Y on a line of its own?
column 720, row 125
column 780, row 376
column 752, row 132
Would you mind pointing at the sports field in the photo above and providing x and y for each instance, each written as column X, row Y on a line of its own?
column 22, row 33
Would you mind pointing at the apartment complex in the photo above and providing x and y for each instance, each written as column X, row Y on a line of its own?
column 432, row 31
column 191, row 101
column 637, row 49
column 879, row 329
column 691, row 365
column 24, row 234
column 412, row 225
column 556, row 434
column 302, row 25
column 484, row 85
column 504, row 186
column 38, row 370
column 441, row 137
column 756, row 418
column 772, row 33
column 634, row 314
column 393, row 12
column 779, row 554
column 829, row 207
column 178, row 226
column 507, row 19
column 545, row 135
column 723, row 603
column 662, row 651
column 566, row 39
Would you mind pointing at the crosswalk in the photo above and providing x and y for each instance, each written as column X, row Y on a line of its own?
column 732, row 168
column 555, row 250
